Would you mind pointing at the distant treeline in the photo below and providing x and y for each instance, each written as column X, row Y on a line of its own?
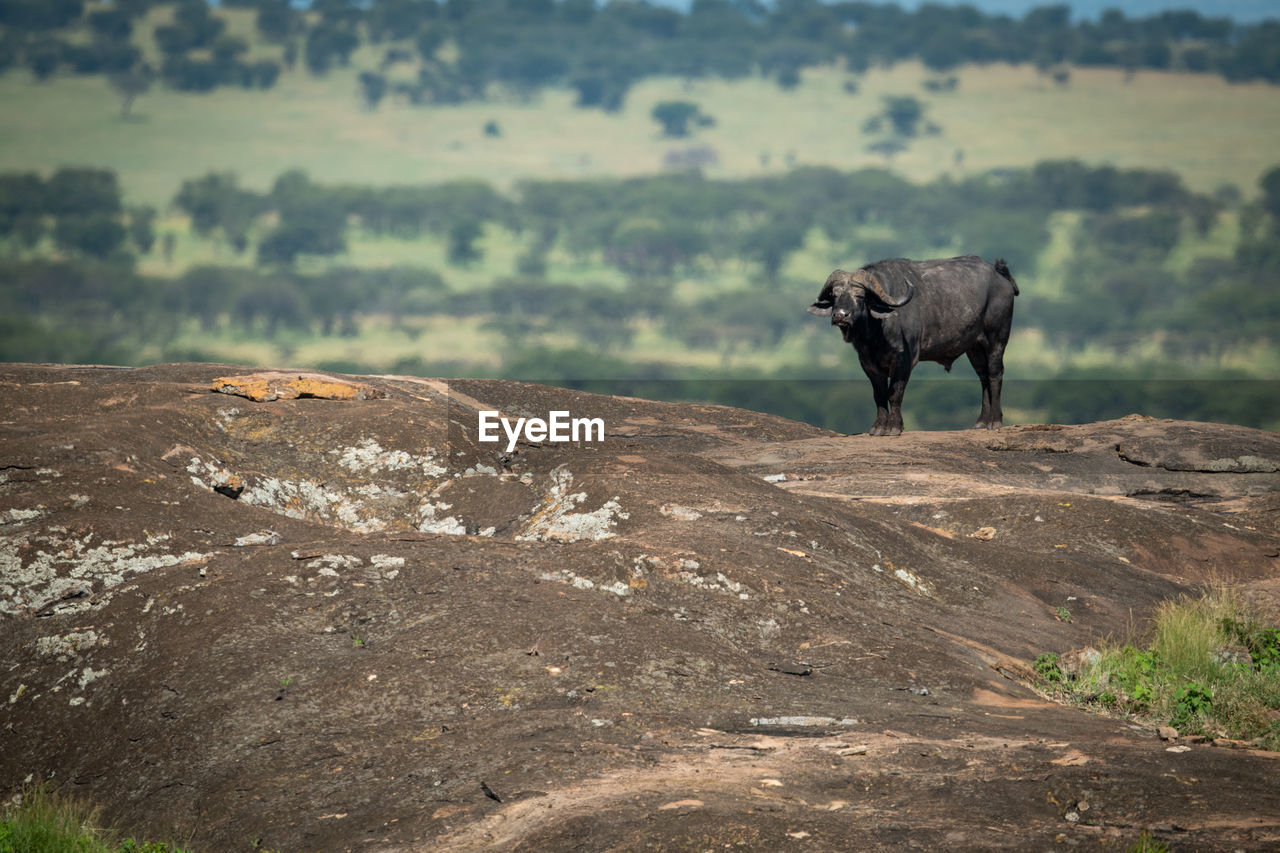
column 653, row 229
column 657, row 226
column 454, row 50
column 69, row 290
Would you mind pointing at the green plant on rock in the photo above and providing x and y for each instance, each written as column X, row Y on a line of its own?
column 1046, row 666
column 40, row 820
column 1147, row 844
column 1206, row 666
column 1263, row 644
column 1192, row 702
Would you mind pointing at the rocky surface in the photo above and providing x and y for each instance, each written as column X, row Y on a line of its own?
column 314, row 612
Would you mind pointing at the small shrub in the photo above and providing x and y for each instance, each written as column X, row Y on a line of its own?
column 1192, row 701
column 43, row 821
column 1263, row 644
column 1187, row 634
column 1046, row 666
column 1147, row 844
column 1191, row 673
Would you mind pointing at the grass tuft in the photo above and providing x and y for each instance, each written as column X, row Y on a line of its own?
column 1208, row 666
column 39, row 820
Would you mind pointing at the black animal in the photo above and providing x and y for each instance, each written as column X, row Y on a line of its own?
column 897, row 313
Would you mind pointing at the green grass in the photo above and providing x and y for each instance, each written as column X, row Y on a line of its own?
column 1208, row 665
column 1210, row 132
column 1147, row 844
column 44, row 822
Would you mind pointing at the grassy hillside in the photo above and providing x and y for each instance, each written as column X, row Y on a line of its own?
column 987, row 118
column 1205, row 129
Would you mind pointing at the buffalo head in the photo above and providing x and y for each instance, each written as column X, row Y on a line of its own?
column 849, row 296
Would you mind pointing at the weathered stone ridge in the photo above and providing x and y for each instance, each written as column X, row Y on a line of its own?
column 333, row 619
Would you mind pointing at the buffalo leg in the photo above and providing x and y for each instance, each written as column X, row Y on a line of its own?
column 989, row 365
column 880, row 390
column 995, row 379
column 979, row 359
column 897, row 389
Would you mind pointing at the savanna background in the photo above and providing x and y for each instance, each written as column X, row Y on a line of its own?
column 638, row 199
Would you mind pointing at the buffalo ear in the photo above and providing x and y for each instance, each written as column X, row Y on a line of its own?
column 826, row 299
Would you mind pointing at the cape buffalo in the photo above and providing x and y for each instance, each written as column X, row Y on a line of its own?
column 897, row 313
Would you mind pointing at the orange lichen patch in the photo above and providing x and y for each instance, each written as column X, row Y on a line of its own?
column 265, row 387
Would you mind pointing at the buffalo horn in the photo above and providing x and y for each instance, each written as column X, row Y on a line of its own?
column 870, row 281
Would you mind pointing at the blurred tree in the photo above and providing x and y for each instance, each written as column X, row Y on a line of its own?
column 276, row 20
column 215, row 203
column 904, row 114
column 130, row 84
column 186, row 74
column 21, row 193
column 770, row 243
column 39, row 15
column 326, row 45
column 42, row 58
column 373, row 88
column 275, row 301
column 135, row 8
column 1269, row 183
column 675, row 116
column 399, row 19
column 142, row 231
column 82, row 192
column 265, row 73
column 113, row 24
column 462, row 242
column 311, row 223
column 22, row 207
column 96, row 235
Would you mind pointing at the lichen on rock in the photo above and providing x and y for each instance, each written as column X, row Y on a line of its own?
column 369, row 457
column 267, row 387
column 63, row 567
column 556, row 520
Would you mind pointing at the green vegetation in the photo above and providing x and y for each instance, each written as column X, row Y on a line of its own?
column 998, row 117
column 1129, row 278
column 43, row 822
column 458, row 50
column 1048, row 667
column 676, row 116
column 1208, row 666
column 427, row 188
column 1147, row 844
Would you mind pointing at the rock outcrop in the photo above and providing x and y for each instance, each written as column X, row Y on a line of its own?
column 315, row 612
